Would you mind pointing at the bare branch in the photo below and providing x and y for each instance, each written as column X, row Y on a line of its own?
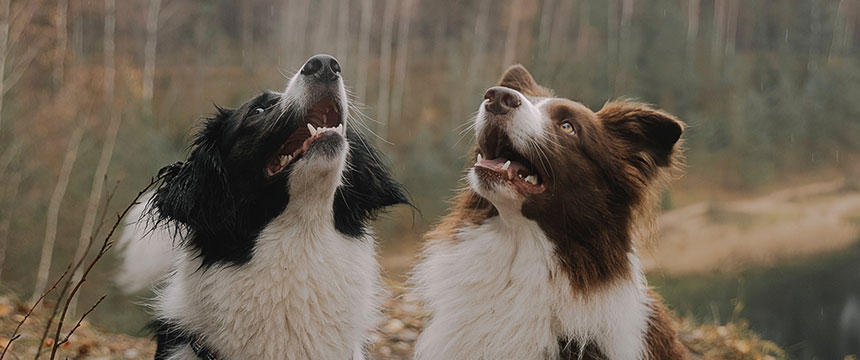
column 66, row 339
column 15, row 334
column 106, row 244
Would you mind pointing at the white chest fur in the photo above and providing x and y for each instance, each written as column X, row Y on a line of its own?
column 496, row 292
column 308, row 292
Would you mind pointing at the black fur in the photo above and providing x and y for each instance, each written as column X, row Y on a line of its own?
column 222, row 197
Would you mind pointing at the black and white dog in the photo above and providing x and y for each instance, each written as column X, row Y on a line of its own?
column 272, row 206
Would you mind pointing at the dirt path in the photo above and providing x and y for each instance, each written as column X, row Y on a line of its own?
column 726, row 236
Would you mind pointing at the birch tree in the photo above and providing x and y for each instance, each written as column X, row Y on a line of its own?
column 114, row 119
column 583, row 30
column 545, row 25
column 52, row 217
column 692, row 30
column 401, row 59
column 62, row 17
column 479, row 48
column 343, row 31
column 12, row 183
column 12, row 31
column 363, row 50
column 6, row 222
column 247, row 30
column 719, row 29
column 513, row 32
column 383, row 97
column 149, row 51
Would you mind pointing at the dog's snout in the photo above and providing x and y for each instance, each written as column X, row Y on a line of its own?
column 501, row 100
column 322, row 67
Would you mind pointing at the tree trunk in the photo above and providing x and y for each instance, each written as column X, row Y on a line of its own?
column 719, row 29
column 731, row 28
column 53, row 214
column 693, row 7
column 622, row 76
column 62, row 42
column 382, row 101
column 322, row 36
column 300, row 32
column 400, row 64
column 342, row 52
column 513, row 33
column 247, row 23
column 545, row 26
column 559, row 50
column 582, row 33
column 4, row 51
column 6, row 222
column 363, row 50
column 88, row 226
column 148, row 53
column 612, row 44
column 479, row 49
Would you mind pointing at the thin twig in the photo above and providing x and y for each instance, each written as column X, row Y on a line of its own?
column 68, row 283
column 15, row 334
column 66, row 339
column 106, row 244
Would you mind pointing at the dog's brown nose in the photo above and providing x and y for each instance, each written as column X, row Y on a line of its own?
column 500, row 100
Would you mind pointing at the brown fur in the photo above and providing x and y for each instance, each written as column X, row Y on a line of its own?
column 597, row 182
column 661, row 339
column 519, row 79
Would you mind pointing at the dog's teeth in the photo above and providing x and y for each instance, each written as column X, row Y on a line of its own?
column 531, row 179
column 506, row 165
column 312, row 129
column 284, row 160
column 520, row 175
column 289, row 158
column 479, row 157
column 340, row 130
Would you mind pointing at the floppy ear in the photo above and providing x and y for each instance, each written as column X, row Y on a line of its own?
column 519, row 79
column 195, row 193
column 367, row 188
column 643, row 130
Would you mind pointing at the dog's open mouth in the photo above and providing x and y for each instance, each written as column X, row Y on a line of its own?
column 322, row 118
column 498, row 160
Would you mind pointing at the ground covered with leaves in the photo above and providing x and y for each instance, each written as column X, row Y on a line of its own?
column 393, row 339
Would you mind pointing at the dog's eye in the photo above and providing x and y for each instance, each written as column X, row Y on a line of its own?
column 259, row 110
column 567, row 127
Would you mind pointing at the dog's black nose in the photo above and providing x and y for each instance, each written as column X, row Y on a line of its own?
column 322, row 67
column 501, row 100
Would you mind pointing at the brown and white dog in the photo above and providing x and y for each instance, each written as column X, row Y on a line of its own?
column 536, row 259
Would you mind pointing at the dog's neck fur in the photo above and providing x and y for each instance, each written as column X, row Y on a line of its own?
column 497, row 289
column 308, row 291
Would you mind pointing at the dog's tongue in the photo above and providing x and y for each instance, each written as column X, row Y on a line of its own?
column 498, row 165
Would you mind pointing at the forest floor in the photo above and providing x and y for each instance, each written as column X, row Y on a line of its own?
column 393, row 340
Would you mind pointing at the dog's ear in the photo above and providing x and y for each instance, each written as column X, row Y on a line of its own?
column 519, row 79
column 643, row 131
column 195, row 193
column 367, row 188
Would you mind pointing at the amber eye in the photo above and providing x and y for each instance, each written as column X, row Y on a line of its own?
column 566, row 127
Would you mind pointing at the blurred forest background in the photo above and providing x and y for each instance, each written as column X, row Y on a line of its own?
column 97, row 95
